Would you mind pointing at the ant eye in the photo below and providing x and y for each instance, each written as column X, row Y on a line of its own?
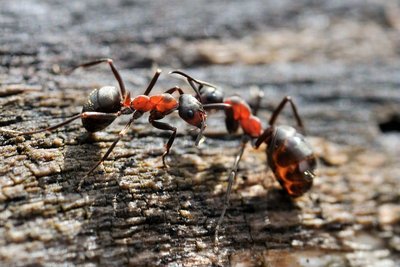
column 190, row 113
column 191, row 110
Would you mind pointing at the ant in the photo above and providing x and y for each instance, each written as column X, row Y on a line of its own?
column 289, row 156
column 237, row 111
column 106, row 104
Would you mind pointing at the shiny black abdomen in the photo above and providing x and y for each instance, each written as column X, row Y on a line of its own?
column 292, row 160
column 107, row 100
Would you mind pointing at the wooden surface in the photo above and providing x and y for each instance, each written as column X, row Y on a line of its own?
column 339, row 61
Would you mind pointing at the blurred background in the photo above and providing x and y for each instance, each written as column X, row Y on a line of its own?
column 327, row 51
column 338, row 59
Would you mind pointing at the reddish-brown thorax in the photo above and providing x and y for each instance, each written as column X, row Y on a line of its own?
column 161, row 103
column 250, row 124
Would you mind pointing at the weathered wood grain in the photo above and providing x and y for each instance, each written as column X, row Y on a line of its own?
column 340, row 62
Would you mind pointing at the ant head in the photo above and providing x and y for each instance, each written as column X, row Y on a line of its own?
column 191, row 110
column 210, row 95
column 206, row 92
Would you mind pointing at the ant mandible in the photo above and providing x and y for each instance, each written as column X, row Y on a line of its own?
column 288, row 154
column 104, row 105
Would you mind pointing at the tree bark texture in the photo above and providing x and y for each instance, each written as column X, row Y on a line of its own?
column 339, row 62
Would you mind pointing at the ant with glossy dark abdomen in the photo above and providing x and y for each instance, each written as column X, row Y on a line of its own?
column 104, row 105
column 288, row 154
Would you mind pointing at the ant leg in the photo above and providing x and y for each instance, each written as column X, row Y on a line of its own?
column 121, row 134
column 231, row 178
column 265, row 136
column 232, row 125
column 174, row 89
column 114, row 70
column 164, row 126
column 152, row 82
column 91, row 115
column 127, row 98
column 278, row 110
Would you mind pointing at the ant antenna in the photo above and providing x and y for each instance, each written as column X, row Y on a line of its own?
column 190, row 80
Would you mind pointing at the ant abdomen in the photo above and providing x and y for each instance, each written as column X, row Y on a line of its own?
column 107, row 99
column 292, row 160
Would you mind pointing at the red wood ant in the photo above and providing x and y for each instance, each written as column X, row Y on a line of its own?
column 104, row 105
column 288, row 154
column 237, row 111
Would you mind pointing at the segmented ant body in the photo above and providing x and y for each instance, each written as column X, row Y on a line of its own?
column 288, row 154
column 237, row 111
column 104, row 105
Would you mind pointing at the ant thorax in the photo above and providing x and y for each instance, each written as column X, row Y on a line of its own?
column 161, row 103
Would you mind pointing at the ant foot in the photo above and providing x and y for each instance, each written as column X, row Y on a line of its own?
column 164, row 155
column 81, row 182
column 165, row 164
column 13, row 132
